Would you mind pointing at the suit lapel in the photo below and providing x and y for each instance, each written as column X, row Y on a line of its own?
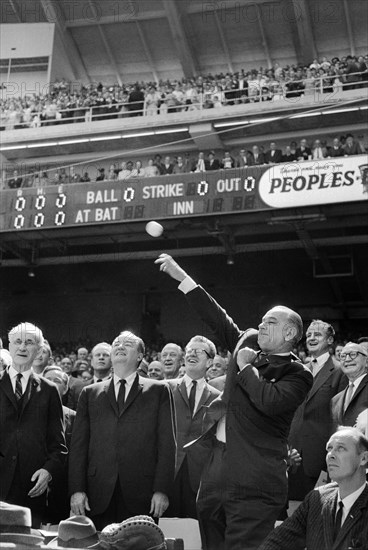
column 353, row 517
column 32, row 387
column 359, row 389
column 323, row 375
column 339, row 406
column 135, row 390
column 204, row 398
column 7, row 388
column 182, row 389
column 109, row 389
column 328, row 518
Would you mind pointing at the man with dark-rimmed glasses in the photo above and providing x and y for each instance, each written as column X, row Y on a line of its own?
column 349, row 403
column 192, row 395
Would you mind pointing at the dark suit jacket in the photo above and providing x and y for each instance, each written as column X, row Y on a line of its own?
column 70, row 399
column 261, row 159
column 332, row 152
column 137, row 447
column 260, row 404
column 188, row 427
column 311, row 525
column 214, row 166
column 277, row 157
column 35, row 437
column 312, row 424
column 358, row 403
column 305, row 154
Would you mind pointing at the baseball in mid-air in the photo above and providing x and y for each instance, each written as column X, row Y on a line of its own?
column 154, row 229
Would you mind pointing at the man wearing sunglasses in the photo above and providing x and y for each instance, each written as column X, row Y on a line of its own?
column 192, row 395
column 349, row 403
column 244, row 484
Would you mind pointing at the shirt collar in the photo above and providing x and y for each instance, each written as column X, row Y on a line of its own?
column 188, row 382
column 321, row 360
column 26, row 374
column 350, row 499
column 358, row 380
column 128, row 379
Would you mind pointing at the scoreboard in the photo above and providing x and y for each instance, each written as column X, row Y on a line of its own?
column 186, row 195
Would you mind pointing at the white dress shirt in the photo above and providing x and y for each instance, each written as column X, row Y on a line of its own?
column 24, row 380
column 349, row 501
column 128, row 384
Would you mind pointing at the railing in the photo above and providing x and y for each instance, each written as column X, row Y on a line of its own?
column 254, row 92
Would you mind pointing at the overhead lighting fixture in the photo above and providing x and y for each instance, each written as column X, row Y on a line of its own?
column 138, row 134
column 237, row 123
column 342, row 110
column 256, row 120
column 11, row 147
column 105, row 138
column 363, row 108
column 47, row 144
column 72, row 141
column 305, row 115
column 171, row 131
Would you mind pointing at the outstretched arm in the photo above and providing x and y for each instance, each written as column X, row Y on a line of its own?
column 223, row 326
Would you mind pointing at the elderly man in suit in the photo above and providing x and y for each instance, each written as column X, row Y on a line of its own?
column 122, row 457
column 191, row 395
column 244, row 484
column 172, row 360
column 312, row 423
column 349, row 403
column 32, row 440
column 334, row 516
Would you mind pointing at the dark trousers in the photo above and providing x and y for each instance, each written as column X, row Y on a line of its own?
column 231, row 516
column 117, row 511
column 18, row 494
column 182, row 498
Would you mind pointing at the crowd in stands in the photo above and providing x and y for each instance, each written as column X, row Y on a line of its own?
column 64, row 103
column 318, row 149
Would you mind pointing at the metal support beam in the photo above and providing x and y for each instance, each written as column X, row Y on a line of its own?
column 298, row 12
column 224, row 43
column 188, row 62
column 147, row 51
column 66, row 40
column 264, row 40
column 106, row 44
column 349, row 27
column 16, row 10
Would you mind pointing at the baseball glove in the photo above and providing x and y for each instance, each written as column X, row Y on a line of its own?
column 135, row 533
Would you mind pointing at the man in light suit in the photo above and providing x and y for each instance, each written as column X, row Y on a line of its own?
column 244, row 484
column 349, row 403
column 318, row 523
column 192, row 395
column 312, row 423
column 32, row 443
column 122, row 457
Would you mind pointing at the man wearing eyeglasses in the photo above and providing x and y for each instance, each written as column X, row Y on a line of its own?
column 192, row 395
column 244, row 484
column 349, row 403
column 122, row 456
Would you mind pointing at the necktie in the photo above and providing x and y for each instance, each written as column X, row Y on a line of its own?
column 313, row 366
column 192, row 396
column 18, row 387
column 338, row 519
column 121, row 395
column 348, row 395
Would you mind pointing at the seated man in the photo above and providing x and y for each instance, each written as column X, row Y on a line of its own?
column 334, row 515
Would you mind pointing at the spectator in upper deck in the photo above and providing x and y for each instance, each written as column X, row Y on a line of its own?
column 303, row 152
column 336, row 150
column 168, row 166
column 16, row 181
column 351, row 146
column 212, row 163
column 273, row 155
column 227, row 161
column 180, row 167
column 151, row 170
